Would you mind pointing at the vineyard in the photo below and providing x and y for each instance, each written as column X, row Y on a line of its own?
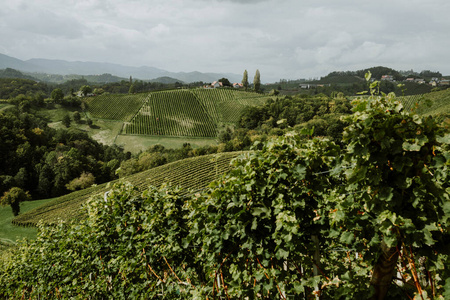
column 180, row 113
column 226, row 105
column 411, row 102
column 440, row 103
column 172, row 113
column 190, row 174
column 115, row 106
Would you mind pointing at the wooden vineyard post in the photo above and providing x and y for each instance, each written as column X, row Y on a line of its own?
column 384, row 271
column 316, row 258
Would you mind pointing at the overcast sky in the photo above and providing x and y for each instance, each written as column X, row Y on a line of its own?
column 288, row 39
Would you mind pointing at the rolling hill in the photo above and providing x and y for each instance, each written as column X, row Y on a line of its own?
column 192, row 174
column 174, row 113
column 62, row 67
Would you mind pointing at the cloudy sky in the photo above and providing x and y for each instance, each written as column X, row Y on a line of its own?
column 288, row 39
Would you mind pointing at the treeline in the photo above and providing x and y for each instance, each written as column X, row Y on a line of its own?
column 352, row 89
column 13, row 87
column 14, row 83
column 378, row 72
column 48, row 162
column 300, row 112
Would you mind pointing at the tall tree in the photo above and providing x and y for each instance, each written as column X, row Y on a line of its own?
column 57, row 94
column 245, row 80
column 66, row 121
column 13, row 197
column 257, row 81
column 225, row 82
column 85, row 89
column 132, row 89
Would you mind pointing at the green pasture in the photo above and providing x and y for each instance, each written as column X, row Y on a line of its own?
column 136, row 143
column 10, row 233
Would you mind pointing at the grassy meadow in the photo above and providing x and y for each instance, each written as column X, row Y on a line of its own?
column 9, row 233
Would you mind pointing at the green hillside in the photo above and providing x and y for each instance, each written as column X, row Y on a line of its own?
column 190, row 174
column 226, row 105
column 435, row 104
column 174, row 113
column 440, row 103
column 115, row 106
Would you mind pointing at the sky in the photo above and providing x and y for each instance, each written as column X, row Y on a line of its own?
column 284, row 39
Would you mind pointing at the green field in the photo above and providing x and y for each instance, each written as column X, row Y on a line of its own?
column 225, row 105
column 136, row 143
column 190, row 174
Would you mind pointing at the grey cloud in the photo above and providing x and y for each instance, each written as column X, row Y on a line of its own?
column 284, row 39
column 47, row 23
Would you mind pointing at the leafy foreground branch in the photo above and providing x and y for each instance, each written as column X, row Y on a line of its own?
column 299, row 218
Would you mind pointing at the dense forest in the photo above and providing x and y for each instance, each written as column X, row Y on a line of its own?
column 48, row 162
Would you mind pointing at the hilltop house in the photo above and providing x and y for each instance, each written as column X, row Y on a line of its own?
column 445, row 82
column 387, row 77
column 307, row 85
column 216, row 84
column 420, row 80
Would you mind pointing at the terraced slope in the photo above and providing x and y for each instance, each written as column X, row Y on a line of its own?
column 440, row 103
column 411, row 102
column 172, row 113
column 226, row 105
column 115, row 106
column 181, row 113
column 191, row 174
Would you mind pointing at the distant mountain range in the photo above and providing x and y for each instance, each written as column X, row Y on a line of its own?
column 62, row 67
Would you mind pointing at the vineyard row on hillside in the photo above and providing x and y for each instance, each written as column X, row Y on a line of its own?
column 190, row 174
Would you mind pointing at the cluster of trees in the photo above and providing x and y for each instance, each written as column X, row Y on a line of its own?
column 13, row 87
column 378, row 72
column 405, row 89
column 44, row 161
column 300, row 217
column 352, row 82
column 300, row 112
